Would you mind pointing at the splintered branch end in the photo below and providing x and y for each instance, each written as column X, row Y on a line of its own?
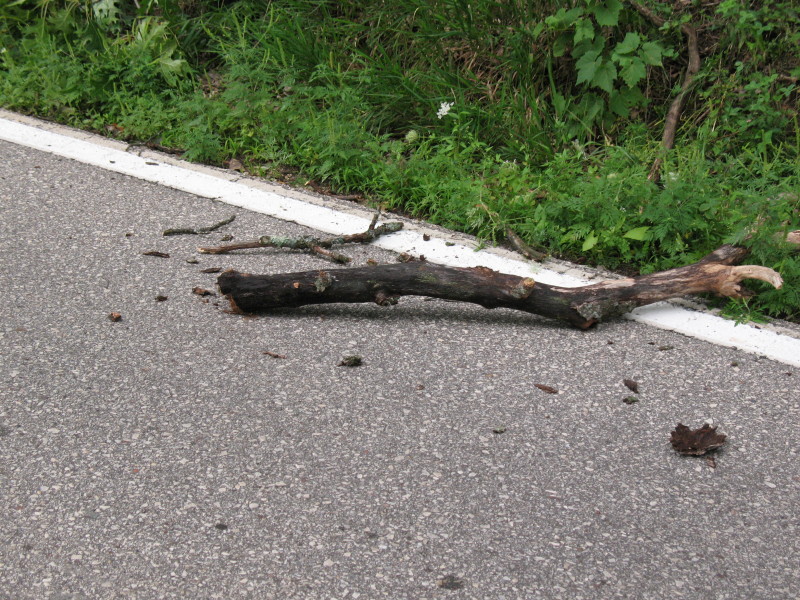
column 730, row 285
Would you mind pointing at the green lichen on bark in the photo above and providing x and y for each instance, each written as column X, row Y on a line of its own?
column 523, row 289
column 604, row 308
column 428, row 278
column 323, row 281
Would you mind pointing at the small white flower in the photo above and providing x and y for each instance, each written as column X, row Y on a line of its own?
column 444, row 108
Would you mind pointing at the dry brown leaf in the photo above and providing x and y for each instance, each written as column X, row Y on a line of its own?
column 696, row 442
column 235, row 164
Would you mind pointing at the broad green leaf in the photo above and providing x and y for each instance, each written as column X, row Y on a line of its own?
column 629, row 44
column 650, row 52
column 640, row 233
column 587, row 66
column 607, row 13
column 583, row 31
column 560, row 45
column 618, row 104
column 633, row 72
column 622, row 100
column 604, row 76
column 589, row 107
column 563, row 18
column 589, row 243
column 595, row 45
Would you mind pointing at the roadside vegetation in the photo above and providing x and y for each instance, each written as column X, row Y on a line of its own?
column 545, row 118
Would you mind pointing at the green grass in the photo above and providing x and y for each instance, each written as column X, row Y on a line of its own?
column 557, row 111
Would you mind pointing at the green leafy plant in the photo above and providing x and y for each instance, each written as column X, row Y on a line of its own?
column 603, row 63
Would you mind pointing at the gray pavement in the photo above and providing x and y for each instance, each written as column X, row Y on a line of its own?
column 165, row 456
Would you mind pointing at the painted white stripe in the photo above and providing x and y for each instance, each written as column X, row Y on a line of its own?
column 695, row 324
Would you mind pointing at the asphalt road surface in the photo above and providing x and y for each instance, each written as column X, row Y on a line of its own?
column 165, row 455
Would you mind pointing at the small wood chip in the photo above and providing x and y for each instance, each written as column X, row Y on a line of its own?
column 630, row 400
column 212, row 270
column 546, row 388
column 156, row 253
column 450, row 582
column 631, row 385
column 351, row 361
column 202, row 292
column 115, row 316
column 161, row 298
column 273, row 354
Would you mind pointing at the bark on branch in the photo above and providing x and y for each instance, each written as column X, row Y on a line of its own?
column 582, row 307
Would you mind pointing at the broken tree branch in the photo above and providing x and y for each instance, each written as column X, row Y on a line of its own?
column 674, row 112
column 312, row 244
column 582, row 307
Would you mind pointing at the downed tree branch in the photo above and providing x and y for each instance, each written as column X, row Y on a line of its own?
column 581, row 307
column 311, row 244
column 199, row 230
column 674, row 112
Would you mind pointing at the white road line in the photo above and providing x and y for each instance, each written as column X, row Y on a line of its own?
column 96, row 151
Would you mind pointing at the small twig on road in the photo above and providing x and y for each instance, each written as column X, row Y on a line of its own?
column 199, row 230
column 318, row 246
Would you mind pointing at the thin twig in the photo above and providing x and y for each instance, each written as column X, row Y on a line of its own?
column 318, row 246
column 523, row 248
column 674, row 112
column 199, row 230
column 516, row 242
